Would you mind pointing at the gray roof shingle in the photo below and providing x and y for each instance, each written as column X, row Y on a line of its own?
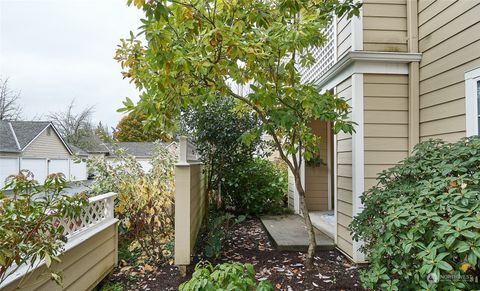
column 22, row 131
column 7, row 140
column 137, row 149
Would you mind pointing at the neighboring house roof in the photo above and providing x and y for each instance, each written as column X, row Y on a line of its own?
column 15, row 136
column 137, row 149
column 77, row 151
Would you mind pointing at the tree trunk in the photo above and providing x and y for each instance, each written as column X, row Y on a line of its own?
column 312, row 243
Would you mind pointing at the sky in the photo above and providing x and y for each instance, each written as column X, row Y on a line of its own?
column 54, row 51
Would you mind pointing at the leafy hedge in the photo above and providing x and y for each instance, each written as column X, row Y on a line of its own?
column 254, row 187
column 421, row 224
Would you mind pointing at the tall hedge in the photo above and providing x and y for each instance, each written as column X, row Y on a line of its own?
column 420, row 225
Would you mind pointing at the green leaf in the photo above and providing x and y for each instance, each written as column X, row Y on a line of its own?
column 444, row 266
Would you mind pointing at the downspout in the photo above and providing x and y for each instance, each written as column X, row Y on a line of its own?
column 413, row 77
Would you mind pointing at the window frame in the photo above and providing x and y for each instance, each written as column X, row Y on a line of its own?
column 472, row 81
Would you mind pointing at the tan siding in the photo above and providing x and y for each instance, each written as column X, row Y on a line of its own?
column 449, row 39
column 343, row 202
column 385, row 25
column 316, row 178
column 344, row 36
column 46, row 146
column 385, row 123
column 197, row 198
column 82, row 266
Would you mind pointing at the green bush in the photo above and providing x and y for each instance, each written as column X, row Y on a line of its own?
column 224, row 277
column 421, row 224
column 254, row 187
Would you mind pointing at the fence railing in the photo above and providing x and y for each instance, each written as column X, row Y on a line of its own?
column 95, row 217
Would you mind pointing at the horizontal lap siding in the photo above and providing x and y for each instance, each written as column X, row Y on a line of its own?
column 82, row 266
column 344, row 179
column 449, row 39
column 46, row 146
column 344, row 36
column 197, row 200
column 385, row 123
column 385, row 25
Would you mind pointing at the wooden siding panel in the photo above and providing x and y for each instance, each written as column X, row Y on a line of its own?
column 444, row 110
column 46, row 146
column 449, row 38
column 384, row 26
column 385, row 130
column 344, row 36
column 447, row 31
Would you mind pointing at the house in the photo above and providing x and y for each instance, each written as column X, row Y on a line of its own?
column 38, row 147
column 142, row 151
column 410, row 71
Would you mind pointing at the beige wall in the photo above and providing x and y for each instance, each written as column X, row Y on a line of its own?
column 316, row 178
column 344, row 178
column 45, row 146
column 83, row 266
column 449, row 38
column 190, row 207
column 385, row 25
column 385, row 123
column 344, row 36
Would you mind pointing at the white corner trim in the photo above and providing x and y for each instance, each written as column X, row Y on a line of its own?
column 358, row 176
column 335, row 183
column 14, row 135
column 357, row 31
column 471, row 79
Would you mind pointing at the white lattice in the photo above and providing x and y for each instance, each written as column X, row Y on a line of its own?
column 99, row 208
column 324, row 57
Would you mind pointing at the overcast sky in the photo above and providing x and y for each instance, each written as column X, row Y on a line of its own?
column 57, row 50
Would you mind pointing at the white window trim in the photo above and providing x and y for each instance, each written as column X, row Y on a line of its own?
column 471, row 79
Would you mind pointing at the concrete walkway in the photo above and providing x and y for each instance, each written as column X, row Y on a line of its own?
column 289, row 233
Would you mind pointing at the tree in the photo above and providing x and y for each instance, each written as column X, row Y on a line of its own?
column 217, row 132
column 75, row 128
column 9, row 107
column 196, row 48
column 103, row 133
column 130, row 128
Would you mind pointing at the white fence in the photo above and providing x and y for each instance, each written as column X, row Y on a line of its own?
column 96, row 223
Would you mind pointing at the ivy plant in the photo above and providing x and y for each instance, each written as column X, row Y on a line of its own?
column 421, row 223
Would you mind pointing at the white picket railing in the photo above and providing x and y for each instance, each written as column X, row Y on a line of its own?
column 98, row 214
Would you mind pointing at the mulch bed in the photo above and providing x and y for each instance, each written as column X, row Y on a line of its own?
column 248, row 242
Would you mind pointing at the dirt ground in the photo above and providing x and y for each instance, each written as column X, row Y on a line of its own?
column 248, row 242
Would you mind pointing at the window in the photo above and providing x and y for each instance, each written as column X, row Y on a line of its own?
column 472, row 96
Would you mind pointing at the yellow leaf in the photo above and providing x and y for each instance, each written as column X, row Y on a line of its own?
column 147, row 268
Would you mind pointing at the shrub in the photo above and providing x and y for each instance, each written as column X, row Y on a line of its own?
column 217, row 231
column 29, row 222
column 145, row 200
column 224, row 277
column 420, row 225
column 254, row 187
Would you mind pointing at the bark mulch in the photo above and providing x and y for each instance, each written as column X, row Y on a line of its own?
column 248, row 242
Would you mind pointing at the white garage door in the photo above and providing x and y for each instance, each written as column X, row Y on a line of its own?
column 78, row 171
column 37, row 166
column 59, row 166
column 146, row 165
column 8, row 166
